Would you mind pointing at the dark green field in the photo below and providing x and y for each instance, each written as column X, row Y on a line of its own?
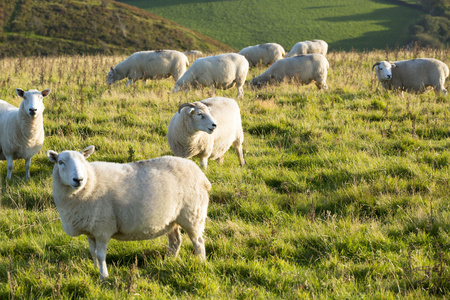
column 344, row 24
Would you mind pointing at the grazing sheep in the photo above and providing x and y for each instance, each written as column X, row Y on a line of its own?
column 413, row 75
column 135, row 201
column 302, row 68
column 206, row 129
column 149, row 65
column 220, row 71
column 22, row 129
column 266, row 54
column 193, row 55
column 309, row 47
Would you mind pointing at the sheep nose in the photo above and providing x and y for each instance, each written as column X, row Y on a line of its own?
column 389, row 76
column 214, row 125
column 78, row 180
column 33, row 111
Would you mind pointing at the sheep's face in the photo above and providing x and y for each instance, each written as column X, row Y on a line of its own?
column 257, row 82
column 71, row 166
column 383, row 69
column 201, row 117
column 32, row 103
column 112, row 76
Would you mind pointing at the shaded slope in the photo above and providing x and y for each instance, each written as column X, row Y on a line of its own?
column 31, row 27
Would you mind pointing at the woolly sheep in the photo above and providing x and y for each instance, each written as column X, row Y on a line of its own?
column 220, row 71
column 266, row 54
column 133, row 201
column 193, row 55
column 206, row 129
column 309, row 47
column 303, row 68
column 412, row 75
column 149, row 65
column 22, row 129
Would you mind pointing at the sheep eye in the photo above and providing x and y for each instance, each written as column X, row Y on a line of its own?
column 380, row 69
column 61, row 162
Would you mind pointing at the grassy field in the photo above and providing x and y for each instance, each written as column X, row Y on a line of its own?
column 344, row 24
column 344, row 194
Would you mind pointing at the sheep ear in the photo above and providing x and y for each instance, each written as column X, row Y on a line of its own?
column 112, row 69
column 393, row 65
column 191, row 111
column 20, row 92
column 52, row 156
column 46, row 92
column 88, row 151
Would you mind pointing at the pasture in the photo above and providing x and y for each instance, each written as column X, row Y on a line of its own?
column 345, row 193
column 344, row 24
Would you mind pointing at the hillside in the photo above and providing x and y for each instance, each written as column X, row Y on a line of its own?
column 50, row 27
column 344, row 24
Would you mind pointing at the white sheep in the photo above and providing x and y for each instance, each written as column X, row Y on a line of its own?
column 309, row 47
column 220, row 71
column 265, row 54
column 193, row 54
column 413, row 75
column 207, row 129
column 134, row 201
column 302, row 68
column 22, row 129
column 149, row 65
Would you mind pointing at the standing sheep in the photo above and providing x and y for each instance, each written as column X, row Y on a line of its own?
column 413, row 75
column 302, row 68
column 135, row 201
column 220, row 71
column 22, row 129
column 266, row 54
column 309, row 47
column 149, row 65
column 207, row 129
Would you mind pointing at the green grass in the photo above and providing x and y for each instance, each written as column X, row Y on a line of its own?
column 344, row 194
column 344, row 24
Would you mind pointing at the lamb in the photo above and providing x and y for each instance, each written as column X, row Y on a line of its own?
column 207, row 129
column 266, row 54
column 193, row 55
column 302, row 68
column 149, row 65
column 22, row 129
column 308, row 47
column 413, row 75
column 127, row 202
column 220, row 71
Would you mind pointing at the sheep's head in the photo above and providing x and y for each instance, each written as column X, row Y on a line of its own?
column 199, row 115
column 71, row 166
column 383, row 69
column 32, row 103
column 112, row 76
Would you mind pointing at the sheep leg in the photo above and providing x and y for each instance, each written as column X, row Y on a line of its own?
column 101, row 256
column 27, row 168
column 199, row 245
column 204, row 162
column 221, row 159
column 93, row 251
column 174, row 236
column 240, row 154
column 9, row 166
column 240, row 90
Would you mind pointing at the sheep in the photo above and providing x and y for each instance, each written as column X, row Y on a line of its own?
column 206, row 129
column 413, row 75
column 22, row 129
column 220, row 71
column 193, row 55
column 266, row 54
column 309, row 47
column 149, row 65
column 127, row 202
column 302, row 68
